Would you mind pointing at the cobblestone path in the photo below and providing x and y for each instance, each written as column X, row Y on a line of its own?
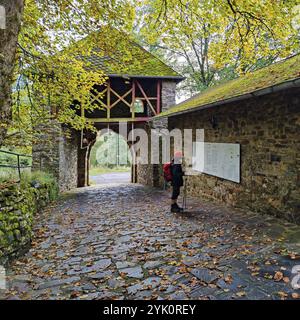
column 121, row 242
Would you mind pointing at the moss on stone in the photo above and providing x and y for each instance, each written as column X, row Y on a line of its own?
column 274, row 74
column 119, row 54
column 18, row 205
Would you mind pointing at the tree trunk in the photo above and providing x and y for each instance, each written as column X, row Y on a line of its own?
column 8, row 46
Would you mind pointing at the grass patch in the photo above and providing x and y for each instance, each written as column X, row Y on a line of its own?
column 37, row 176
column 10, row 175
column 100, row 170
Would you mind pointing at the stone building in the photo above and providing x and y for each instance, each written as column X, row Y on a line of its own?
column 139, row 86
column 260, row 112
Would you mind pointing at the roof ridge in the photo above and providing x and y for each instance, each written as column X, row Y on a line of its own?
column 279, row 72
column 240, row 77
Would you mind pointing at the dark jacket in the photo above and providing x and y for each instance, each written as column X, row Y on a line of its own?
column 177, row 175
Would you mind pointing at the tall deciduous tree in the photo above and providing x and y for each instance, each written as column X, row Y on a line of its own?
column 212, row 39
column 209, row 36
column 9, row 32
column 50, row 54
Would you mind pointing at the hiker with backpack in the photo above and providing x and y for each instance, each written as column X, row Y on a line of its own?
column 173, row 173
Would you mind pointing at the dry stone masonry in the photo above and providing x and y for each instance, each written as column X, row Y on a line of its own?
column 17, row 208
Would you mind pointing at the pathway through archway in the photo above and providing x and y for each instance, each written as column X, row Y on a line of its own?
column 110, row 160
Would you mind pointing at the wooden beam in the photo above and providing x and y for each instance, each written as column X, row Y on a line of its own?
column 108, row 99
column 145, row 96
column 102, row 103
column 108, row 94
column 158, row 107
column 106, row 120
column 133, row 99
column 97, row 98
column 149, row 98
column 121, row 98
column 99, row 93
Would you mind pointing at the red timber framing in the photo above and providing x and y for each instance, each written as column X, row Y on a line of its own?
column 109, row 98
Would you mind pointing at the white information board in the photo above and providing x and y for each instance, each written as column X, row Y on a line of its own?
column 217, row 159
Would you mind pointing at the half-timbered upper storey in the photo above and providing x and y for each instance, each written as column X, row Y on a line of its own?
column 135, row 85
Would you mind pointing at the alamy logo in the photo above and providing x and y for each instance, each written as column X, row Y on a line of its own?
column 2, row 18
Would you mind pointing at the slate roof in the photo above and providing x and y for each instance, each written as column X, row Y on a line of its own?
column 120, row 55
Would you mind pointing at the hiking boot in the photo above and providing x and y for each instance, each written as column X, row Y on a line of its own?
column 179, row 208
column 176, row 208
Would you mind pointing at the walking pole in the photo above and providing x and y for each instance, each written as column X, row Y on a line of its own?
column 184, row 195
column 185, row 192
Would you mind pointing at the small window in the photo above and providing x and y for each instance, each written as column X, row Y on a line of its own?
column 138, row 106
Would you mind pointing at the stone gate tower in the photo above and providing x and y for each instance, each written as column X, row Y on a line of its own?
column 135, row 92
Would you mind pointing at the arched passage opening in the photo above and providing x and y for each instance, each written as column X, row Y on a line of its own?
column 110, row 159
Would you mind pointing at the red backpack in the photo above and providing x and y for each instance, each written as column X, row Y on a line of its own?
column 167, row 169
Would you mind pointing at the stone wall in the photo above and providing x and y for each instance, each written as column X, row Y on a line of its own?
column 68, row 159
column 45, row 151
column 148, row 174
column 168, row 94
column 83, row 158
column 267, row 128
column 168, row 99
column 144, row 172
column 17, row 208
column 56, row 151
